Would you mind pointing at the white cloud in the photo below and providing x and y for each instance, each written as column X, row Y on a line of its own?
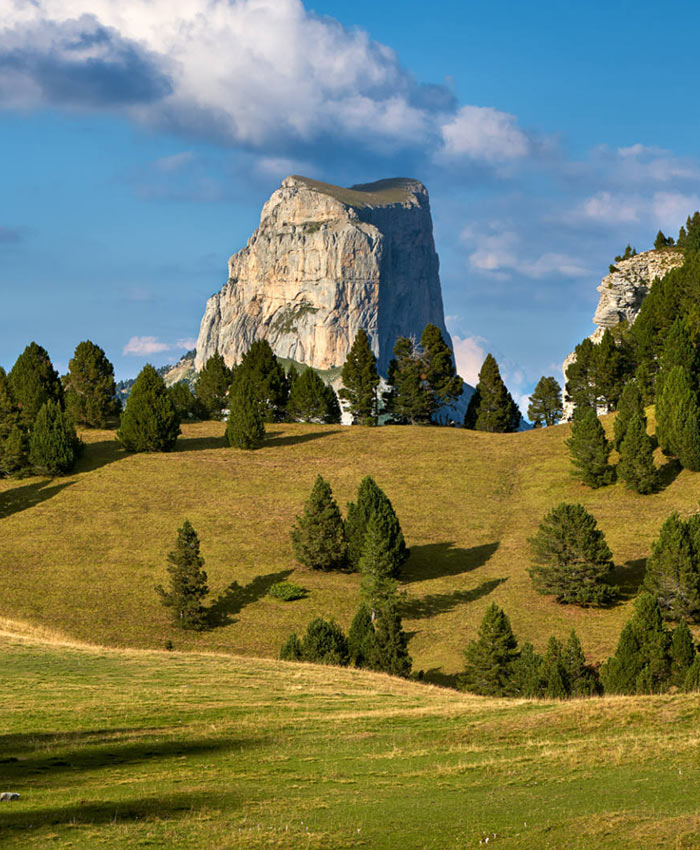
column 187, row 344
column 142, row 345
column 469, row 357
column 670, row 209
column 483, row 133
column 501, row 253
column 606, row 208
column 174, row 162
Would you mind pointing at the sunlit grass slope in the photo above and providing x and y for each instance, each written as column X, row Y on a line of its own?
column 82, row 554
column 129, row 748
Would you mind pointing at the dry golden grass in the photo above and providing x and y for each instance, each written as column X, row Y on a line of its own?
column 81, row 555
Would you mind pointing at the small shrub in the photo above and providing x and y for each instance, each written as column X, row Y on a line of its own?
column 287, row 591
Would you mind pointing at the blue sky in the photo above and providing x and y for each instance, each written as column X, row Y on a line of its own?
column 139, row 139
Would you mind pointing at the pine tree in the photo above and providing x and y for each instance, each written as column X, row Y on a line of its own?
column 360, row 381
column 545, row 406
column 642, row 661
column 188, row 581
column 388, row 651
column 678, row 418
column 268, row 381
column 53, row 443
column 13, row 441
column 292, row 649
column 630, row 404
column 590, row 449
column 150, row 422
column 185, row 403
column 526, row 676
column 312, row 400
column 245, row 428
column 608, row 372
column 692, row 677
column 580, row 388
column 636, row 467
column 360, row 636
column 378, row 562
column 90, row 391
column 492, row 407
column 570, row 557
column 34, row 381
column 553, row 672
column 673, row 570
column 682, row 653
column 325, row 643
column 212, row 385
column 581, row 679
column 318, row 536
column 408, row 399
column 444, row 384
column 489, row 659
column 370, row 499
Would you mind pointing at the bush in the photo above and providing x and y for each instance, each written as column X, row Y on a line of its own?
column 287, row 591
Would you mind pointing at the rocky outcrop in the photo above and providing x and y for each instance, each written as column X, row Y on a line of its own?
column 325, row 262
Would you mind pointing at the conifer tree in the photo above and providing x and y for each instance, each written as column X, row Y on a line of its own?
column 292, row 649
column 33, row 381
column 545, row 406
column 13, row 442
column 408, row 398
column 312, row 400
column 642, row 662
column 360, row 636
column 489, row 659
column 526, row 676
column 679, row 349
column 580, row 387
column 267, row 379
column 492, row 408
column 188, row 581
column 444, row 384
column 360, row 381
column 324, row 643
column 378, row 563
column 212, row 385
column 53, row 443
column 608, row 372
column 184, row 401
column 388, row 650
column 678, row 418
column 636, row 467
column 150, row 422
column 553, row 672
column 682, row 653
column 370, row 499
column 590, row 449
column 692, row 677
column 673, row 570
column 630, row 404
column 318, row 536
column 245, row 428
column 90, row 391
column 570, row 557
column 581, row 679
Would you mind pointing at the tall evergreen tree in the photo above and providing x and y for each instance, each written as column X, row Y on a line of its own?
column 630, row 404
column 553, row 672
column 678, row 418
column 312, row 400
column 360, row 381
column 408, row 399
column 90, row 391
column 378, row 562
column 580, row 388
column 188, row 581
column 526, row 673
column 150, row 422
column 673, row 570
column 443, row 383
column 388, row 651
column 212, row 385
column 318, row 536
column 34, row 381
column 570, row 557
column 636, row 467
column 13, row 444
column 682, row 653
column 581, row 679
column 590, row 449
column 267, row 379
column 609, row 372
column 492, row 408
column 372, row 499
column 245, row 428
column 545, row 406
column 184, row 401
column 361, row 636
column 489, row 659
column 53, row 443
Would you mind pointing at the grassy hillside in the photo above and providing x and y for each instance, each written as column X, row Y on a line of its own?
column 82, row 554
column 126, row 749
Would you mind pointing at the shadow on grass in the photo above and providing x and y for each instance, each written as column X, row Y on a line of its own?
column 18, row 742
column 440, row 603
column 669, row 472
column 628, row 578
column 435, row 676
column 236, row 597
column 99, row 454
column 200, row 444
column 276, row 440
column 164, row 807
column 436, row 560
column 28, row 495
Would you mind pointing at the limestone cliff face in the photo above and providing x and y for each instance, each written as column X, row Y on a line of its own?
column 325, row 262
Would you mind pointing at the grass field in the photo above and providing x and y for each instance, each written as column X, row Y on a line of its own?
column 131, row 749
column 82, row 554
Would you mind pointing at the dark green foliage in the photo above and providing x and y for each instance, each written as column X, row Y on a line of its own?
column 492, row 407
column 571, row 558
column 408, row 399
column 580, row 388
column 34, row 381
column 689, row 236
column 372, row 499
column 673, row 568
column 553, row 672
column 318, row 536
column 678, row 418
column 662, row 241
column 378, row 561
column 312, row 400
column 489, row 659
column 287, row 591
column 609, row 371
column 439, row 374
column 188, row 581
column 526, row 676
column 184, row 401
column 324, row 643
column 212, row 385
column 53, row 443
column 682, row 653
column 292, row 649
column 629, row 252
column 267, row 379
column 545, row 403
column 361, row 636
column 245, row 428
column 360, row 381
column 590, row 449
column 636, row 467
column 13, row 439
column 692, row 677
column 581, row 680
column 388, row 650
column 150, row 422
column 641, row 663
column 90, row 391
column 630, row 404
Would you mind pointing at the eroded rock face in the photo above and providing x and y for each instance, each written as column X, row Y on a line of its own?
column 325, row 262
